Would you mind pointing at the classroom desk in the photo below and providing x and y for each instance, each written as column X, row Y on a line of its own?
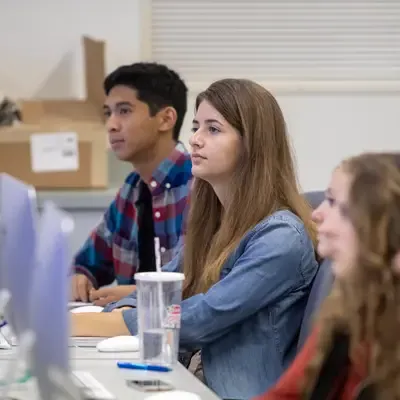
column 103, row 367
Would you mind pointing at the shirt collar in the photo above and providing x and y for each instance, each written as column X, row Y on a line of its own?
column 172, row 172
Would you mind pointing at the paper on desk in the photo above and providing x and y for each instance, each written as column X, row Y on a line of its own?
column 83, row 341
column 75, row 304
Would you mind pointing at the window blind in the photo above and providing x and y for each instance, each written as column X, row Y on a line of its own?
column 278, row 40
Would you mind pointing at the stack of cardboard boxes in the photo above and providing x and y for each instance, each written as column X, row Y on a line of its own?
column 61, row 144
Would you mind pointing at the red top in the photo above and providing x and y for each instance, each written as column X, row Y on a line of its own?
column 289, row 385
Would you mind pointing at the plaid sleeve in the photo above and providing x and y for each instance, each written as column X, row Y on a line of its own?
column 95, row 259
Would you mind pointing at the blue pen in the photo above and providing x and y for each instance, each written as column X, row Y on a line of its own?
column 145, row 367
column 3, row 323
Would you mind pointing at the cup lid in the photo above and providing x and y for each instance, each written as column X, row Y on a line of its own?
column 159, row 276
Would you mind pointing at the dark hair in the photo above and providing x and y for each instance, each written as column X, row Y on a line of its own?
column 156, row 85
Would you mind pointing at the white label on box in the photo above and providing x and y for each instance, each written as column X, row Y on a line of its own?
column 54, row 152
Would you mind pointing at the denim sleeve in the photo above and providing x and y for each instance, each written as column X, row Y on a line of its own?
column 268, row 269
column 130, row 301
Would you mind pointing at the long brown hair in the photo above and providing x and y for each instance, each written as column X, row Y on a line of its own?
column 366, row 303
column 264, row 182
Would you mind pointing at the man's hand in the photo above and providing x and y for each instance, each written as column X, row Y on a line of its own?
column 103, row 296
column 81, row 287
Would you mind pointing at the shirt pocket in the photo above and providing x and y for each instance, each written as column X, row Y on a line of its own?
column 125, row 259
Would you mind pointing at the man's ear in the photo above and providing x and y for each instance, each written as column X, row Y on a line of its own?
column 167, row 119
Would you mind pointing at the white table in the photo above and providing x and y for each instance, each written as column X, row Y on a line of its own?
column 103, row 367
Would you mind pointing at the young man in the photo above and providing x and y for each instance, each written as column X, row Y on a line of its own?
column 144, row 109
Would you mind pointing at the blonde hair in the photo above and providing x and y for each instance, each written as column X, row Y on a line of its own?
column 264, row 182
column 366, row 303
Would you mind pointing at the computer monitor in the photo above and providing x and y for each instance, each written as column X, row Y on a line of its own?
column 49, row 304
column 18, row 218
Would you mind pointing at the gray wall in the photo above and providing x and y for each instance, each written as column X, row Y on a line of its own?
column 86, row 208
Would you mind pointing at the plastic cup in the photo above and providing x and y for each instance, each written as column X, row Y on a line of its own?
column 159, row 296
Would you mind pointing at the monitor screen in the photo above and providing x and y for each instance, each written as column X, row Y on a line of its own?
column 18, row 218
column 49, row 305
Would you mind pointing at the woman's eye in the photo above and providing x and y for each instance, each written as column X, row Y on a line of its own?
column 213, row 129
column 330, row 200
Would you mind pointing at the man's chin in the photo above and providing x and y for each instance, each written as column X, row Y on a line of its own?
column 122, row 156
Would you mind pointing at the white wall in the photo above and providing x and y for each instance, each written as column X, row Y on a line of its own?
column 40, row 49
column 40, row 56
column 327, row 127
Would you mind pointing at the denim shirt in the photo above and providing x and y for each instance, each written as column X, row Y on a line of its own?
column 247, row 324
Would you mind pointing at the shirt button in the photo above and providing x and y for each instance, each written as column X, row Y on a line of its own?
column 168, row 185
column 157, row 214
column 153, row 184
column 163, row 249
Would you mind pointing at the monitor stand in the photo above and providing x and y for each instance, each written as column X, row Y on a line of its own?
column 20, row 356
column 64, row 386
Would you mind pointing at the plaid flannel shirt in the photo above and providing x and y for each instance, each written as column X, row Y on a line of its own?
column 111, row 251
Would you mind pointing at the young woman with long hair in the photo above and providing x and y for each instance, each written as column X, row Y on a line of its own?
column 356, row 334
column 248, row 256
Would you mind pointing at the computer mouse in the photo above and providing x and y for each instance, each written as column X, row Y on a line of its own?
column 119, row 344
column 174, row 395
column 85, row 309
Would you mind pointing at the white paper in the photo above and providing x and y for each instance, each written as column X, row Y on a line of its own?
column 76, row 304
column 54, row 152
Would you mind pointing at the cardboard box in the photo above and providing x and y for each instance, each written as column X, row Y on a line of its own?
column 62, row 144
